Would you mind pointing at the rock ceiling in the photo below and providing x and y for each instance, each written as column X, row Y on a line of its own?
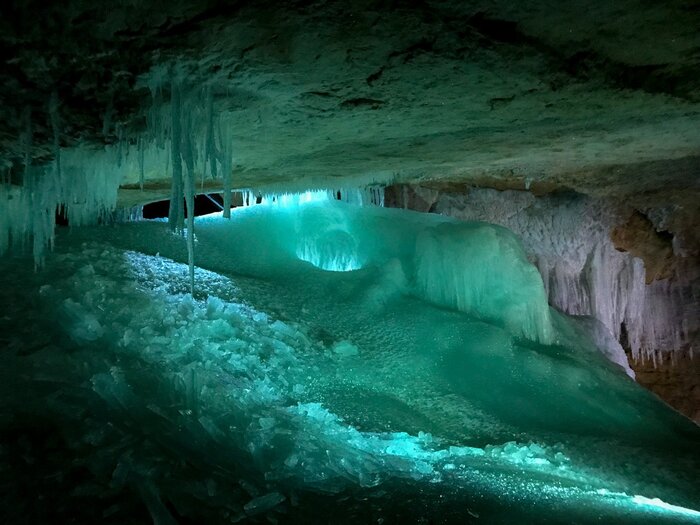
column 602, row 97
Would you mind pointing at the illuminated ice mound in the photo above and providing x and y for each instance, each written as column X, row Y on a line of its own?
column 336, row 365
column 476, row 268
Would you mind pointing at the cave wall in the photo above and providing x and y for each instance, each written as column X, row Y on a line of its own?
column 599, row 257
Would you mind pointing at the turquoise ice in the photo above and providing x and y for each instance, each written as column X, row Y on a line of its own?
column 336, row 361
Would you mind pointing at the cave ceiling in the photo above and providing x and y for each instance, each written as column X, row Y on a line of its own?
column 598, row 96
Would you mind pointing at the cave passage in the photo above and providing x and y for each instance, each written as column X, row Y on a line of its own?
column 336, row 362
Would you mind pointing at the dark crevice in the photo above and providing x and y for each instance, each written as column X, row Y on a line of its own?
column 202, row 206
column 361, row 102
column 375, row 76
column 497, row 102
column 406, row 55
column 497, row 30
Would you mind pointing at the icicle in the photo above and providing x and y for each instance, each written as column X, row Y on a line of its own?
column 83, row 183
column 176, row 214
column 107, row 118
column 226, row 167
column 141, row 161
column 210, row 145
column 120, row 144
column 227, row 185
column 156, row 123
column 27, row 141
column 189, row 193
column 53, row 114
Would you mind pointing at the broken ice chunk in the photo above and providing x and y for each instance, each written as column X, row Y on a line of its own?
column 84, row 326
column 263, row 503
column 345, row 349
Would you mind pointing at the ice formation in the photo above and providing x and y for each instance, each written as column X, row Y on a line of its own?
column 352, row 348
column 284, row 389
column 475, row 268
column 568, row 239
column 84, row 187
column 188, row 138
column 482, row 269
column 83, row 180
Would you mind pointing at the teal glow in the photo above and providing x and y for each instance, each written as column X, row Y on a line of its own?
column 427, row 375
column 332, row 250
column 658, row 503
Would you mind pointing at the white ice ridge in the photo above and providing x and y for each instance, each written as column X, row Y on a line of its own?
column 568, row 239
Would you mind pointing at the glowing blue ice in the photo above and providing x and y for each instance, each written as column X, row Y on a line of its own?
column 425, row 370
column 660, row 504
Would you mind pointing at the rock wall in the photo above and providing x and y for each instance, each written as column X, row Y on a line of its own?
column 601, row 258
column 676, row 381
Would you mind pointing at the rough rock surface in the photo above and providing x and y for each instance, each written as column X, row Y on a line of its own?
column 675, row 379
column 597, row 96
column 639, row 237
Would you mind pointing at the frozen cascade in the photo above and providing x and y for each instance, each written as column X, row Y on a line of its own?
column 568, row 239
column 478, row 268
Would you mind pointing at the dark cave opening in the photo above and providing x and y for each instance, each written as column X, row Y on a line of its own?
column 204, row 204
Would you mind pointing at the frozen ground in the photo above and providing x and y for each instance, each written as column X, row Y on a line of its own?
column 430, row 383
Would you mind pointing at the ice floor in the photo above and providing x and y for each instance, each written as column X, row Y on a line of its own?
column 336, row 364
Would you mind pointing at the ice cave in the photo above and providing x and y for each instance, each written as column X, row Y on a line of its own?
column 350, row 262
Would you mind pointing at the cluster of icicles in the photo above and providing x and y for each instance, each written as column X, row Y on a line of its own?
column 81, row 183
column 187, row 137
